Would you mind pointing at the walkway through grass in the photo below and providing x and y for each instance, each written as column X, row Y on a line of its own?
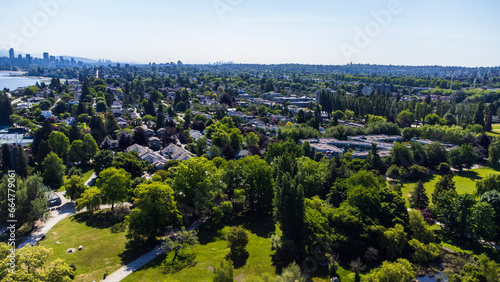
column 104, row 244
column 209, row 253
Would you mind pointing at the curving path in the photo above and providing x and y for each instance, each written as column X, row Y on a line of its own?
column 126, row 270
column 67, row 209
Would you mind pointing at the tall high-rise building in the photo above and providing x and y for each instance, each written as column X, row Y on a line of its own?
column 46, row 57
column 28, row 59
column 11, row 56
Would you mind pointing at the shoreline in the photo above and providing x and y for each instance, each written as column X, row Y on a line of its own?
column 22, row 74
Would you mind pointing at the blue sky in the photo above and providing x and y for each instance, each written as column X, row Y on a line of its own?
column 421, row 32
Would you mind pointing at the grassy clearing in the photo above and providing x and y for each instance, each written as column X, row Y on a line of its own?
column 342, row 273
column 495, row 131
column 209, row 253
column 105, row 247
column 465, row 181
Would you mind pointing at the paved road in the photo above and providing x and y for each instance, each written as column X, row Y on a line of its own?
column 126, row 270
column 91, row 180
column 67, row 209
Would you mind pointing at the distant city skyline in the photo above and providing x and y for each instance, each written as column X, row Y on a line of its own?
column 449, row 33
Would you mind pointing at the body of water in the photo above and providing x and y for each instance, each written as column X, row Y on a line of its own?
column 12, row 80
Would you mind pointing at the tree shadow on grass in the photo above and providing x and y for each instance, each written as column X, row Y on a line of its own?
column 101, row 219
column 474, row 246
column 424, row 179
column 134, row 249
column 240, row 261
column 262, row 226
column 469, row 174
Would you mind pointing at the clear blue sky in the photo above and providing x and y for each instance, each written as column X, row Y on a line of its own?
column 424, row 32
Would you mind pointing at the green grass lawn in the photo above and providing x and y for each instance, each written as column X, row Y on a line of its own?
column 209, row 253
column 465, row 181
column 104, row 244
column 495, row 131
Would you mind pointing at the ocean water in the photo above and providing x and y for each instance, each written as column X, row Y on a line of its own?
column 13, row 80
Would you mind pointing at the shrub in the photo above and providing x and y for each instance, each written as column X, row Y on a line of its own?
column 416, row 172
column 444, row 168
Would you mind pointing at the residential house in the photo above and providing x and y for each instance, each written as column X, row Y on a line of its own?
column 176, row 153
column 148, row 155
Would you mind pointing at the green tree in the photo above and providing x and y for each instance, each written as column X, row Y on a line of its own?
column 465, row 155
column 251, row 139
column 419, row 199
column 291, row 273
column 75, row 187
column 114, row 185
column 59, row 143
column 289, row 208
column 97, row 129
column 489, row 119
column 400, row 270
column 224, row 273
column 459, row 219
column 374, row 158
column 32, row 202
column 76, row 152
column 444, row 184
column 479, row 115
column 201, row 146
column 258, row 184
column 436, row 154
column 130, row 162
column 401, row 155
column 419, row 228
column 185, row 239
column 423, row 253
column 53, row 170
column 5, row 157
column 156, row 209
column 494, row 152
column 90, row 147
column 394, row 241
column 41, row 134
column 90, row 199
column 432, row 119
column 75, row 133
column 111, row 124
column 488, row 183
column 405, row 118
column 483, row 221
column 22, row 162
column 101, row 106
column 5, row 108
column 33, row 264
column 311, row 176
column 493, row 198
column 102, row 160
column 235, row 139
column 237, row 239
column 197, row 181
